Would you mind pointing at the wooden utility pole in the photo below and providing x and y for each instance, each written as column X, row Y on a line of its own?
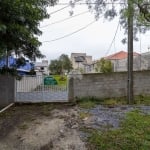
column 130, row 94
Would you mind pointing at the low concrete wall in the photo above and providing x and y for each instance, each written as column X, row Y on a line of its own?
column 7, row 90
column 108, row 85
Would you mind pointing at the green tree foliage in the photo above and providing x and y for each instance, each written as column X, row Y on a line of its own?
column 60, row 65
column 55, row 67
column 19, row 22
column 112, row 8
column 104, row 66
column 66, row 63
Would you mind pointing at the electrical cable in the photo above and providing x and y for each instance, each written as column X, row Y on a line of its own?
column 67, row 35
column 62, row 20
column 112, row 39
column 59, row 10
column 77, row 4
column 94, row 3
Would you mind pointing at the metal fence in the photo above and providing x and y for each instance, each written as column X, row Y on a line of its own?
column 32, row 89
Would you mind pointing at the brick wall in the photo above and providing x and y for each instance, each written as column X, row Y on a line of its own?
column 109, row 85
column 7, row 90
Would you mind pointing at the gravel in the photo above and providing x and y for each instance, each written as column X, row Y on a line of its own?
column 105, row 118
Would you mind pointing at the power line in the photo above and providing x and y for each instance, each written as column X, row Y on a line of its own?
column 59, row 10
column 62, row 20
column 67, row 35
column 94, row 3
column 113, row 39
column 68, row 5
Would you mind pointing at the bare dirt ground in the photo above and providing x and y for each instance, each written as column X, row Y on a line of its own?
column 56, row 126
column 40, row 127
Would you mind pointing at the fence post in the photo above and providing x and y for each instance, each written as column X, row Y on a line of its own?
column 70, row 89
column 73, row 75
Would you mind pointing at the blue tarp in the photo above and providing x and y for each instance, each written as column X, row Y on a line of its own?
column 12, row 63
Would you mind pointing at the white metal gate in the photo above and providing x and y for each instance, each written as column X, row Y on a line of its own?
column 32, row 89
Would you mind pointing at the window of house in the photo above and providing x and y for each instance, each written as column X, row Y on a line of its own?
column 42, row 68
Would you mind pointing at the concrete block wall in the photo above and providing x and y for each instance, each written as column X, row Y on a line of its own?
column 7, row 90
column 109, row 85
column 142, row 83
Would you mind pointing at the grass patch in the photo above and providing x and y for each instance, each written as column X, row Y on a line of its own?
column 142, row 99
column 87, row 104
column 90, row 102
column 134, row 134
column 61, row 79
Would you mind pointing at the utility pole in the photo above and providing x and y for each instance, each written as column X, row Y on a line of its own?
column 130, row 94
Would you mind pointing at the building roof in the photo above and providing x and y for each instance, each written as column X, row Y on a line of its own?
column 77, row 54
column 79, row 59
column 120, row 55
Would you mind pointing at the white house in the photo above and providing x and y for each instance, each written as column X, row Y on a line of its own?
column 42, row 68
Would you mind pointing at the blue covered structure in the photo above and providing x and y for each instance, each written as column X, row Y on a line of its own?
column 12, row 62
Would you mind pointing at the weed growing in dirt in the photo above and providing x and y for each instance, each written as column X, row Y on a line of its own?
column 23, row 126
column 134, row 134
column 90, row 102
column 142, row 99
column 83, row 115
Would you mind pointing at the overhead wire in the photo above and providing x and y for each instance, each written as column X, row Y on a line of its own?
column 94, row 3
column 67, row 35
column 59, row 10
column 109, row 48
column 62, row 20
column 69, row 4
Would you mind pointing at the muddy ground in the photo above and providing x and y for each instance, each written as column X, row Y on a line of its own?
column 53, row 126
column 40, row 127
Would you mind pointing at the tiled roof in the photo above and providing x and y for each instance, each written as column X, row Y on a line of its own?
column 120, row 55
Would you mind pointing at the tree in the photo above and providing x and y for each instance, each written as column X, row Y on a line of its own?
column 134, row 18
column 109, row 9
column 66, row 63
column 55, row 67
column 19, row 22
column 60, row 65
column 104, row 66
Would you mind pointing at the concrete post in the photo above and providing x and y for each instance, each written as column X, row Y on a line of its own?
column 7, row 90
column 72, row 76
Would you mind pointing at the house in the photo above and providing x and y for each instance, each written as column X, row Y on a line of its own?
column 82, row 62
column 146, row 64
column 41, row 68
column 120, row 61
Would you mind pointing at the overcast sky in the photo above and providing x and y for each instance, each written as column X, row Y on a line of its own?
column 94, row 40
